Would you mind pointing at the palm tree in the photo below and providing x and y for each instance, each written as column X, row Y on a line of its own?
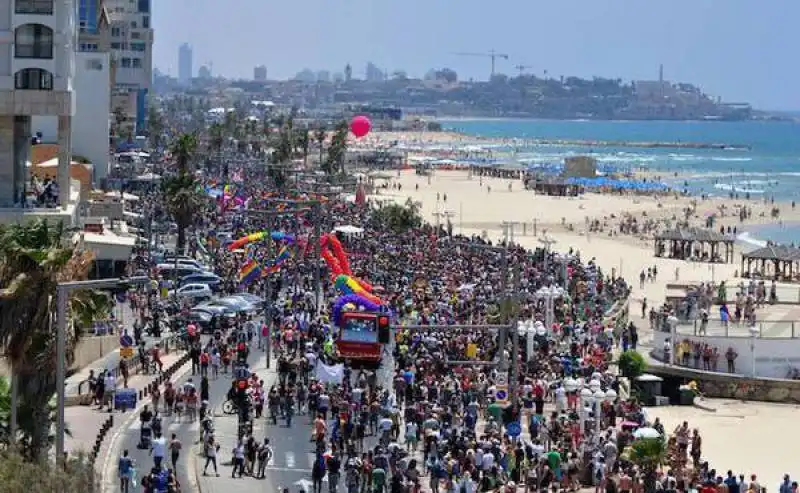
column 648, row 454
column 303, row 142
column 183, row 200
column 337, row 150
column 319, row 136
column 183, row 151
column 155, row 126
column 34, row 258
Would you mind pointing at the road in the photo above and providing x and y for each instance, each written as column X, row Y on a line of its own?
column 293, row 451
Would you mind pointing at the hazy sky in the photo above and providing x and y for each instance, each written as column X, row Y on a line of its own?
column 742, row 50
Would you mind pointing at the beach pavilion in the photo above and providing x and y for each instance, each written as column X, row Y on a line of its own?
column 773, row 261
column 695, row 243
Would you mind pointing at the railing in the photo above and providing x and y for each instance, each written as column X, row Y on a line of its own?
column 768, row 329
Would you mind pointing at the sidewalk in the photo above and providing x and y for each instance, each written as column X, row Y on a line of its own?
column 76, row 382
column 84, row 422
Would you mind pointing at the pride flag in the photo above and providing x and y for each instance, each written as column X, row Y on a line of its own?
column 249, row 272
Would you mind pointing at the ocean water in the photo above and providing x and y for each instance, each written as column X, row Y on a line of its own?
column 770, row 168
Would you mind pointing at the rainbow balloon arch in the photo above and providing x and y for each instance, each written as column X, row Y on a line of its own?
column 356, row 294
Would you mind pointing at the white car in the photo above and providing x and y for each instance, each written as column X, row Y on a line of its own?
column 195, row 291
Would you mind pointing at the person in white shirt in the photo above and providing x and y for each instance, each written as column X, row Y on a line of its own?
column 158, row 449
column 487, row 461
column 110, row 389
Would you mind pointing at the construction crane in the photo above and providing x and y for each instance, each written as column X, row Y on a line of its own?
column 522, row 68
column 493, row 55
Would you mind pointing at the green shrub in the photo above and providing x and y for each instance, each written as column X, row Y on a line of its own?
column 631, row 364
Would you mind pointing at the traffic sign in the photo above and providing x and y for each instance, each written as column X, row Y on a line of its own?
column 513, row 429
column 501, row 393
column 126, row 352
column 501, row 379
column 125, row 340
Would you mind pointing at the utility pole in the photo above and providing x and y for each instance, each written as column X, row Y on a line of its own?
column 503, row 336
column 317, row 219
column 514, row 384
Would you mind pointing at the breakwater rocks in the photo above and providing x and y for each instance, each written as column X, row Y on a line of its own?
column 637, row 144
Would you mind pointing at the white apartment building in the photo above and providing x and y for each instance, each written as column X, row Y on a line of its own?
column 185, row 72
column 37, row 68
column 132, row 52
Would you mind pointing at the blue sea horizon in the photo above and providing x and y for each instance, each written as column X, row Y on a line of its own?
column 769, row 168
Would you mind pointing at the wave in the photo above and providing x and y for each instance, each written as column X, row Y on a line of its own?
column 731, row 188
column 732, row 159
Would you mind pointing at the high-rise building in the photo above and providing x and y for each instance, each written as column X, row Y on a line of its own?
column 260, row 73
column 373, row 73
column 132, row 54
column 348, row 73
column 185, row 72
column 37, row 79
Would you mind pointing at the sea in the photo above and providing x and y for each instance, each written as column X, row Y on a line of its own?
column 766, row 166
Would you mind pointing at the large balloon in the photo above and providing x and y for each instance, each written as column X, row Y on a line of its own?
column 360, row 125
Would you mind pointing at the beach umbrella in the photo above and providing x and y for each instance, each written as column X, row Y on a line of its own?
column 360, row 126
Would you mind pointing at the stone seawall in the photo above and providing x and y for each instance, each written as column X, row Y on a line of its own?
column 728, row 386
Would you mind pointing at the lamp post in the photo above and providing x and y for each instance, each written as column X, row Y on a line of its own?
column 586, row 399
column 549, row 295
column 63, row 290
column 753, row 335
column 599, row 397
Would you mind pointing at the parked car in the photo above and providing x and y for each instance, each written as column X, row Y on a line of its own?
column 214, row 281
column 237, row 304
column 169, row 271
column 251, row 298
column 195, row 291
column 202, row 319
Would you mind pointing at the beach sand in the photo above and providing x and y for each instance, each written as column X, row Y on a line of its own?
column 472, row 209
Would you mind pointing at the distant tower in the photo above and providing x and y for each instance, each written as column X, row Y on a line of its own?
column 661, row 73
column 348, row 73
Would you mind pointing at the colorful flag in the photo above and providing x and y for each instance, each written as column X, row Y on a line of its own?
column 249, row 272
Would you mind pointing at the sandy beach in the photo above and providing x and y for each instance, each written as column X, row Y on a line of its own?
column 476, row 205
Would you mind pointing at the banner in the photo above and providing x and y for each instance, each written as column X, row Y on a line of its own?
column 330, row 373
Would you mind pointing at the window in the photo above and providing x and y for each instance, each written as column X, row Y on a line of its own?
column 33, row 41
column 33, row 79
column 44, row 7
column 133, row 24
column 116, row 46
column 146, row 21
column 136, row 35
column 138, row 46
column 137, row 62
column 115, row 32
column 126, row 62
column 94, row 64
column 144, row 6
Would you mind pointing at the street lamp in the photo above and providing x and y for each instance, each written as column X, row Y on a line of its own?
column 599, row 398
column 63, row 290
column 586, row 400
column 549, row 294
column 753, row 335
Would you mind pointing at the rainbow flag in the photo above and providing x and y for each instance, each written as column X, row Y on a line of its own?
column 249, row 272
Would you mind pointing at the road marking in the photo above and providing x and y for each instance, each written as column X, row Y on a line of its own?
column 290, row 460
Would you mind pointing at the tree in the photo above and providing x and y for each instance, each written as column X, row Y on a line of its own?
column 631, row 364
column 319, row 136
column 155, row 126
column 399, row 217
column 648, row 454
column 303, row 143
column 337, row 150
column 183, row 200
column 17, row 475
column 34, row 258
column 183, row 151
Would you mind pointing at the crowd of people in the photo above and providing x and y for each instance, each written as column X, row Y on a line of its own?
column 451, row 410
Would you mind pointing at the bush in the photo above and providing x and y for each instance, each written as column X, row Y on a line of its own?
column 18, row 475
column 631, row 364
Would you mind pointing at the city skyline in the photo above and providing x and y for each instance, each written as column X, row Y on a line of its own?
column 730, row 48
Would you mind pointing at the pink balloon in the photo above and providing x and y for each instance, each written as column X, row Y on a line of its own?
column 360, row 126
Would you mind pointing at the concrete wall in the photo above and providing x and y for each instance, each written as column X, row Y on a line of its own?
column 773, row 356
column 90, row 125
column 726, row 386
column 90, row 348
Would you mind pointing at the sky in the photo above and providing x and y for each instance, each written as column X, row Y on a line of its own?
column 741, row 50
